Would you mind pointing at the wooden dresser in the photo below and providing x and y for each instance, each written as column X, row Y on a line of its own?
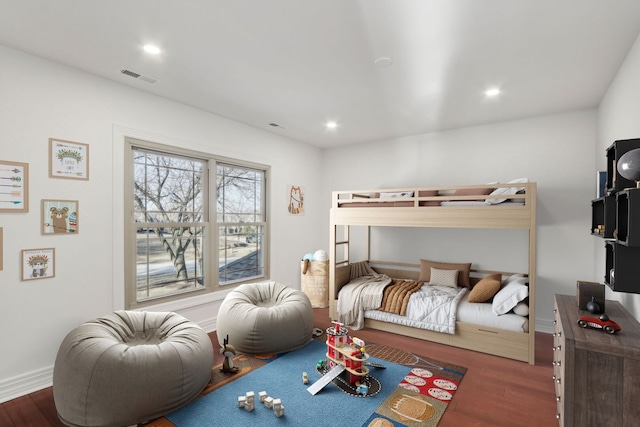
column 597, row 375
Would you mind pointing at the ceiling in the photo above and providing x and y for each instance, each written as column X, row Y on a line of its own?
column 299, row 63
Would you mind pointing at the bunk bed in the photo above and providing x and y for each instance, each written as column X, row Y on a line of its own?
column 491, row 206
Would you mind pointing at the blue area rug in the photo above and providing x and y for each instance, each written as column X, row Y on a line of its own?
column 282, row 379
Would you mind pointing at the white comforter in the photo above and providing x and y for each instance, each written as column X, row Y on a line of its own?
column 436, row 307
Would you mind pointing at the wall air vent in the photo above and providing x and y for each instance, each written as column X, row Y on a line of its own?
column 138, row 76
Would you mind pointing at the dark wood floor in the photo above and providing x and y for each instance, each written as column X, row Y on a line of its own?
column 494, row 392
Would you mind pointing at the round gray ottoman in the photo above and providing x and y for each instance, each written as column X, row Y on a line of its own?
column 265, row 318
column 129, row 367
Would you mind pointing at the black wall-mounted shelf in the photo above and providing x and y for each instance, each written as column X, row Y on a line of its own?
column 627, row 215
column 615, row 217
column 615, row 182
column 603, row 216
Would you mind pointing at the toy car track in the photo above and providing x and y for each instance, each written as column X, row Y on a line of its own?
column 351, row 389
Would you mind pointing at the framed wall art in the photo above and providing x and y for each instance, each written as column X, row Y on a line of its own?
column 60, row 217
column 38, row 263
column 295, row 197
column 68, row 159
column 14, row 186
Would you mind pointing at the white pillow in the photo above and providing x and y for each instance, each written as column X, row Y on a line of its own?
column 509, row 296
column 507, row 191
column 521, row 309
column 399, row 195
column 444, row 277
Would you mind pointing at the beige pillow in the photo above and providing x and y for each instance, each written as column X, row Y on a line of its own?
column 486, row 288
column 444, row 277
column 463, row 271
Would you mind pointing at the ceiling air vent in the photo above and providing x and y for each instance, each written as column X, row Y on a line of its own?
column 138, row 76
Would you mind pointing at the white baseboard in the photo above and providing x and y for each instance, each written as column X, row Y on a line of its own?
column 21, row 385
column 544, row 325
column 209, row 325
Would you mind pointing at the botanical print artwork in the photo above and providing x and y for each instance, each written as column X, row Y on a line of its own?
column 38, row 263
column 68, row 159
column 60, row 217
column 14, row 196
column 296, row 200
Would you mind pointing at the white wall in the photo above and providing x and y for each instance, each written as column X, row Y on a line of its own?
column 39, row 100
column 619, row 118
column 42, row 100
column 555, row 151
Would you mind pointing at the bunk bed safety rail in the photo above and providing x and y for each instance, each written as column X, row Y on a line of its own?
column 482, row 195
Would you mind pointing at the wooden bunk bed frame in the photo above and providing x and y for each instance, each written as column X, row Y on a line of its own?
column 513, row 345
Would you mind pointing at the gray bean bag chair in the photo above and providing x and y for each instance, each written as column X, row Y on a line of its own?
column 129, row 367
column 265, row 318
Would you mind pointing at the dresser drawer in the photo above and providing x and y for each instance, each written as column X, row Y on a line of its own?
column 595, row 373
column 558, row 365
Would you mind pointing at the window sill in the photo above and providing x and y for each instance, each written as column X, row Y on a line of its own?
column 187, row 303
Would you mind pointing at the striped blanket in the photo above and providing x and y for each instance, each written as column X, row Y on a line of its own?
column 396, row 296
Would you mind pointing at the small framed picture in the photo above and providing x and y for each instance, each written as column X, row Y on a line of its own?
column 295, row 197
column 68, row 159
column 60, row 217
column 38, row 263
column 14, row 186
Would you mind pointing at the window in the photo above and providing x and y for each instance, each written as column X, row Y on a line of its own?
column 240, row 217
column 175, row 247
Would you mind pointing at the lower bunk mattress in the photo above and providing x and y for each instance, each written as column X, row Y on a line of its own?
column 480, row 314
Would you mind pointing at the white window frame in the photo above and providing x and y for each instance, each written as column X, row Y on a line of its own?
column 211, row 224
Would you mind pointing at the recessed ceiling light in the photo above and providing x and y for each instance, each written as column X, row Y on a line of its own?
column 154, row 50
column 492, row 93
column 331, row 125
column 383, row 62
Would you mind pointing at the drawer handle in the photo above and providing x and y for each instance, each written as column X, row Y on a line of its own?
column 558, row 381
column 554, row 377
column 558, row 416
column 555, row 322
column 558, row 399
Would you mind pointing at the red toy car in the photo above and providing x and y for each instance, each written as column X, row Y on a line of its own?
column 603, row 322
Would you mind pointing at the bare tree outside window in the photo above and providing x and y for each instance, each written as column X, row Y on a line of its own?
column 240, row 220
column 168, row 209
column 170, row 195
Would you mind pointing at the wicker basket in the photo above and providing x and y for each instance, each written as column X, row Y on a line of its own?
column 315, row 282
